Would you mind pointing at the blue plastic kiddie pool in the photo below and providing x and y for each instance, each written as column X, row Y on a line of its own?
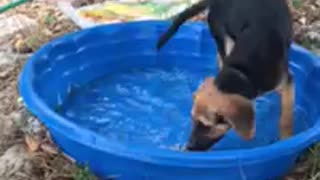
column 112, row 101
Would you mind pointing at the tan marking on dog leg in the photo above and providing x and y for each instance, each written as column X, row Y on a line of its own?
column 219, row 61
column 229, row 45
column 287, row 107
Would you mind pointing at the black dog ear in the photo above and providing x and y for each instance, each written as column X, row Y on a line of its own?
column 239, row 112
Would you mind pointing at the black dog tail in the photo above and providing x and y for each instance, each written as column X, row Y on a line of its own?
column 180, row 19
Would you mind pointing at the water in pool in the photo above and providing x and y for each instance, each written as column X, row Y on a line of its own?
column 151, row 106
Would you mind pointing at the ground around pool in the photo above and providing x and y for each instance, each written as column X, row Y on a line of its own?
column 26, row 151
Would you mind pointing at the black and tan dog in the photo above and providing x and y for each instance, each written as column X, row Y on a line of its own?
column 253, row 38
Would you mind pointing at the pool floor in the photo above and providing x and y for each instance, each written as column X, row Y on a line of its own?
column 152, row 106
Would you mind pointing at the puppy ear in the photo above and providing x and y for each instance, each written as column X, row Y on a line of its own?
column 239, row 112
column 205, row 89
column 207, row 84
column 209, row 81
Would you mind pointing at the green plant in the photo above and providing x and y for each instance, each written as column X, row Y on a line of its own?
column 83, row 173
column 32, row 41
column 314, row 163
column 307, row 43
column 297, row 3
column 49, row 20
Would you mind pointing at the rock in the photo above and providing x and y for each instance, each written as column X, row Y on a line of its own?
column 9, row 26
column 13, row 161
column 314, row 32
column 11, row 59
column 303, row 20
column 8, row 63
column 29, row 124
column 5, row 71
column 6, row 126
column 4, row 59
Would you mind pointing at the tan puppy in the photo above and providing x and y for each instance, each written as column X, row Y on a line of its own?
column 214, row 113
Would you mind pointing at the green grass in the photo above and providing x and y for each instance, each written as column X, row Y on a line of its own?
column 297, row 3
column 313, row 160
column 83, row 173
column 49, row 20
column 307, row 43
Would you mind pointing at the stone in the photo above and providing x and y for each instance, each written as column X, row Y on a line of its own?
column 8, row 63
column 14, row 160
column 10, row 25
column 314, row 32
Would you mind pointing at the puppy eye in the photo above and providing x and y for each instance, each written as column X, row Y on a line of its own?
column 201, row 125
column 220, row 119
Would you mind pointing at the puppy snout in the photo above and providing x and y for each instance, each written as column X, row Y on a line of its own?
column 190, row 148
column 199, row 144
column 193, row 147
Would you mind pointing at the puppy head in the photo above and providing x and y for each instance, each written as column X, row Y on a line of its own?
column 214, row 113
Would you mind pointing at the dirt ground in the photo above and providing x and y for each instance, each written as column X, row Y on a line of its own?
column 26, row 150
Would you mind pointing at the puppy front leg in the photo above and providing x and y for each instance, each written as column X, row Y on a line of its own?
column 218, row 33
column 219, row 61
column 229, row 45
column 287, row 108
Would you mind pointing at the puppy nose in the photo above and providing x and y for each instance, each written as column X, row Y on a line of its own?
column 204, row 145
column 193, row 146
column 190, row 147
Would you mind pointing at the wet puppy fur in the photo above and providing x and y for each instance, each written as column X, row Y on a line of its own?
column 253, row 38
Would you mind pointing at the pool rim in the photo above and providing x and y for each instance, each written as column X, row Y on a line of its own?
column 146, row 153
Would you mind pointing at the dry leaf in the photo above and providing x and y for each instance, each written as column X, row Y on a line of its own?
column 49, row 149
column 33, row 144
column 69, row 158
column 21, row 46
